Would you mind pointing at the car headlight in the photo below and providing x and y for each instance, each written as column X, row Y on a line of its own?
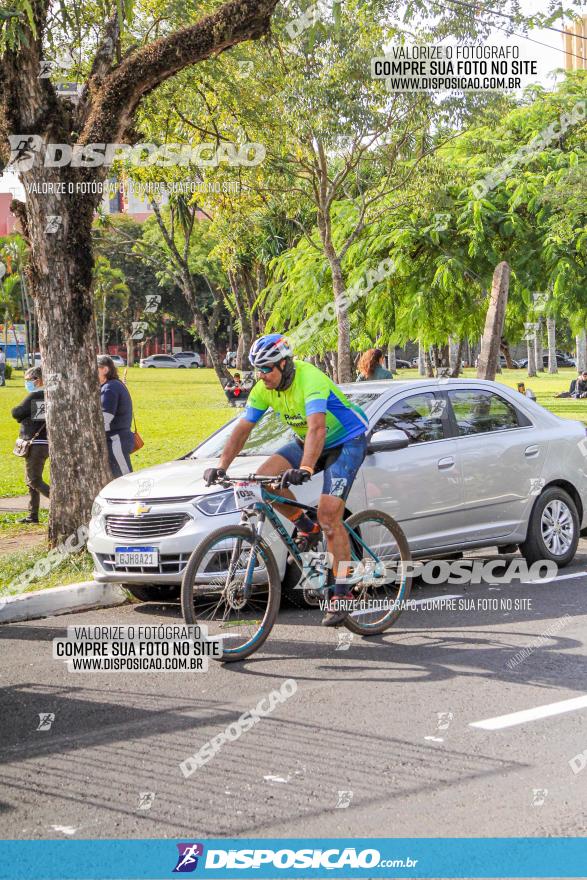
column 96, row 508
column 217, row 503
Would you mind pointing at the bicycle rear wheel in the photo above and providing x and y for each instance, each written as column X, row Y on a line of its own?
column 381, row 546
column 231, row 585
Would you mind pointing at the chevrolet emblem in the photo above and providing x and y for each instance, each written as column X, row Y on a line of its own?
column 141, row 508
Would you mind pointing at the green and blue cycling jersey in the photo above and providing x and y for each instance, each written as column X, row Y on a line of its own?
column 310, row 392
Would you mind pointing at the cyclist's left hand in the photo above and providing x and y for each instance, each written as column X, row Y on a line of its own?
column 294, row 477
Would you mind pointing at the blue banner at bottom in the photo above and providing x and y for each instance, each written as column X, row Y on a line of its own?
column 228, row 859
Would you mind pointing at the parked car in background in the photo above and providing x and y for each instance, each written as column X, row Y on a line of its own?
column 118, row 361
column 483, row 466
column 403, row 365
column 165, row 361
column 190, row 358
column 561, row 361
column 503, row 363
column 230, row 359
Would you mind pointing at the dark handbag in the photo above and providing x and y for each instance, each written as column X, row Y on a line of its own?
column 22, row 447
column 139, row 442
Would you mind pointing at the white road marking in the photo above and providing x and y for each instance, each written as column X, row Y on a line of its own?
column 436, row 739
column 535, row 714
column 559, row 577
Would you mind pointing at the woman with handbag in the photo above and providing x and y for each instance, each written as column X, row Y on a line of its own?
column 32, row 444
column 117, row 412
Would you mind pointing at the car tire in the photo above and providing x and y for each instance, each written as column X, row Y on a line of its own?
column 150, row 366
column 554, row 504
column 181, row 367
column 154, row 592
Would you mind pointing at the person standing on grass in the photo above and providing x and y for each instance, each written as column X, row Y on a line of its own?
column 31, row 415
column 117, row 412
column 370, row 366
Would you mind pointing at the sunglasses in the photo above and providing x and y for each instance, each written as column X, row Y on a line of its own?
column 265, row 370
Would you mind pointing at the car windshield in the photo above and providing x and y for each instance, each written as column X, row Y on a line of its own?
column 268, row 434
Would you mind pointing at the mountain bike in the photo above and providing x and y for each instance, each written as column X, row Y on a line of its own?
column 232, row 583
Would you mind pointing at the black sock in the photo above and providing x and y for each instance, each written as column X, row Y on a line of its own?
column 304, row 524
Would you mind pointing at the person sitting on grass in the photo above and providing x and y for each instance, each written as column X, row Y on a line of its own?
column 573, row 391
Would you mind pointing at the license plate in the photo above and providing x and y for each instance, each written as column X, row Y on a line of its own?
column 246, row 493
column 135, row 557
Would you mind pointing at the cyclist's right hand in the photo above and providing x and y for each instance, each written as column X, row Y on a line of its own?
column 212, row 475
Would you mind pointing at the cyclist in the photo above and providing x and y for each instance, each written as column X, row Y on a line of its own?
column 331, row 437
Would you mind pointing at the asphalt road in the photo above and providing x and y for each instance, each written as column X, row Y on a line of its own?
column 377, row 740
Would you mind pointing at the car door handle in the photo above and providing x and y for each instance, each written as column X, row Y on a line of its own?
column 444, row 463
column 531, row 451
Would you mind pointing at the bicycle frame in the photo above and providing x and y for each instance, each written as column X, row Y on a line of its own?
column 263, row 510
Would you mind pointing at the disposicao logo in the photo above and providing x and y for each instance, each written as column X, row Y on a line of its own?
column 187, row 860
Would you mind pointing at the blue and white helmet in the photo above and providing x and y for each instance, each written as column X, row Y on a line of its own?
column 269, row 349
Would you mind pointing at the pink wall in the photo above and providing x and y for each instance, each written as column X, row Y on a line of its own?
column 7, row 220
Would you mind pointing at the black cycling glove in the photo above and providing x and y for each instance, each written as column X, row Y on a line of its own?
column 294, row 477
column 212, row 475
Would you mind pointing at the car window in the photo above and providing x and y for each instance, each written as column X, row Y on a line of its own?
column 419, row 416
column 478, row 412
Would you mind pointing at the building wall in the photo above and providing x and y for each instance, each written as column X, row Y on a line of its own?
column 7, row 220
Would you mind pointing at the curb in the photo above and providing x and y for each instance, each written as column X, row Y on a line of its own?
column 60, row 600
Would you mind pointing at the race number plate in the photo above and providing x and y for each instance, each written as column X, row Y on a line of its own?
column 136, row 557
column 246, row 493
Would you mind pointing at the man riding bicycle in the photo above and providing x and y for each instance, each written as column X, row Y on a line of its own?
column 331, row 437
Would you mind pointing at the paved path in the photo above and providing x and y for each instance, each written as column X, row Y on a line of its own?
column 18, row 503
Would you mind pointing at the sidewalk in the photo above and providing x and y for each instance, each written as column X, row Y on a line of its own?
column 19, row 503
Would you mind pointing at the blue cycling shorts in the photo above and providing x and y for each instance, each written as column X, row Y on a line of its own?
column 340, row 464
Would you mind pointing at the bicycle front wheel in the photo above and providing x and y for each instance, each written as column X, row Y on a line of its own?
column 231, row 585
column 381, row 554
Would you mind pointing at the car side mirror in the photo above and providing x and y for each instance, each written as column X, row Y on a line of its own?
column 387, row 440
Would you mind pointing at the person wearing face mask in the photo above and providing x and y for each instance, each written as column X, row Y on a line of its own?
column 117, row 412
column 31, row 416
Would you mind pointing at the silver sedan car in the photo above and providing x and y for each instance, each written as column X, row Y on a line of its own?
column 480, row 465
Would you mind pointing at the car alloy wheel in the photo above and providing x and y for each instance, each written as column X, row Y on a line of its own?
column 557, row 527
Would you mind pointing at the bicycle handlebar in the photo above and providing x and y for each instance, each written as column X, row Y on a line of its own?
column 228, row 481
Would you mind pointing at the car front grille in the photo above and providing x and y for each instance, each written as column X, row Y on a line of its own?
column 139, row 528
column 168, row 564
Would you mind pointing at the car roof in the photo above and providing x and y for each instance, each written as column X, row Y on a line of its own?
column 382, row 387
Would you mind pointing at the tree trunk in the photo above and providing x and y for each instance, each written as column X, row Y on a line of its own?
column 505, row 350
column 239, row 361
column 421, row 359
column 130, row 350
column 551, row 333
column 63, row 262
column 391, row 359
column 428, row 364
column 455, row 347
column 531, row 358
column 456, row 369
column 243, row 312
column 489, row 356
column 581, row 362
column 103, row 339
column 344, row 368
column 538, row 348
